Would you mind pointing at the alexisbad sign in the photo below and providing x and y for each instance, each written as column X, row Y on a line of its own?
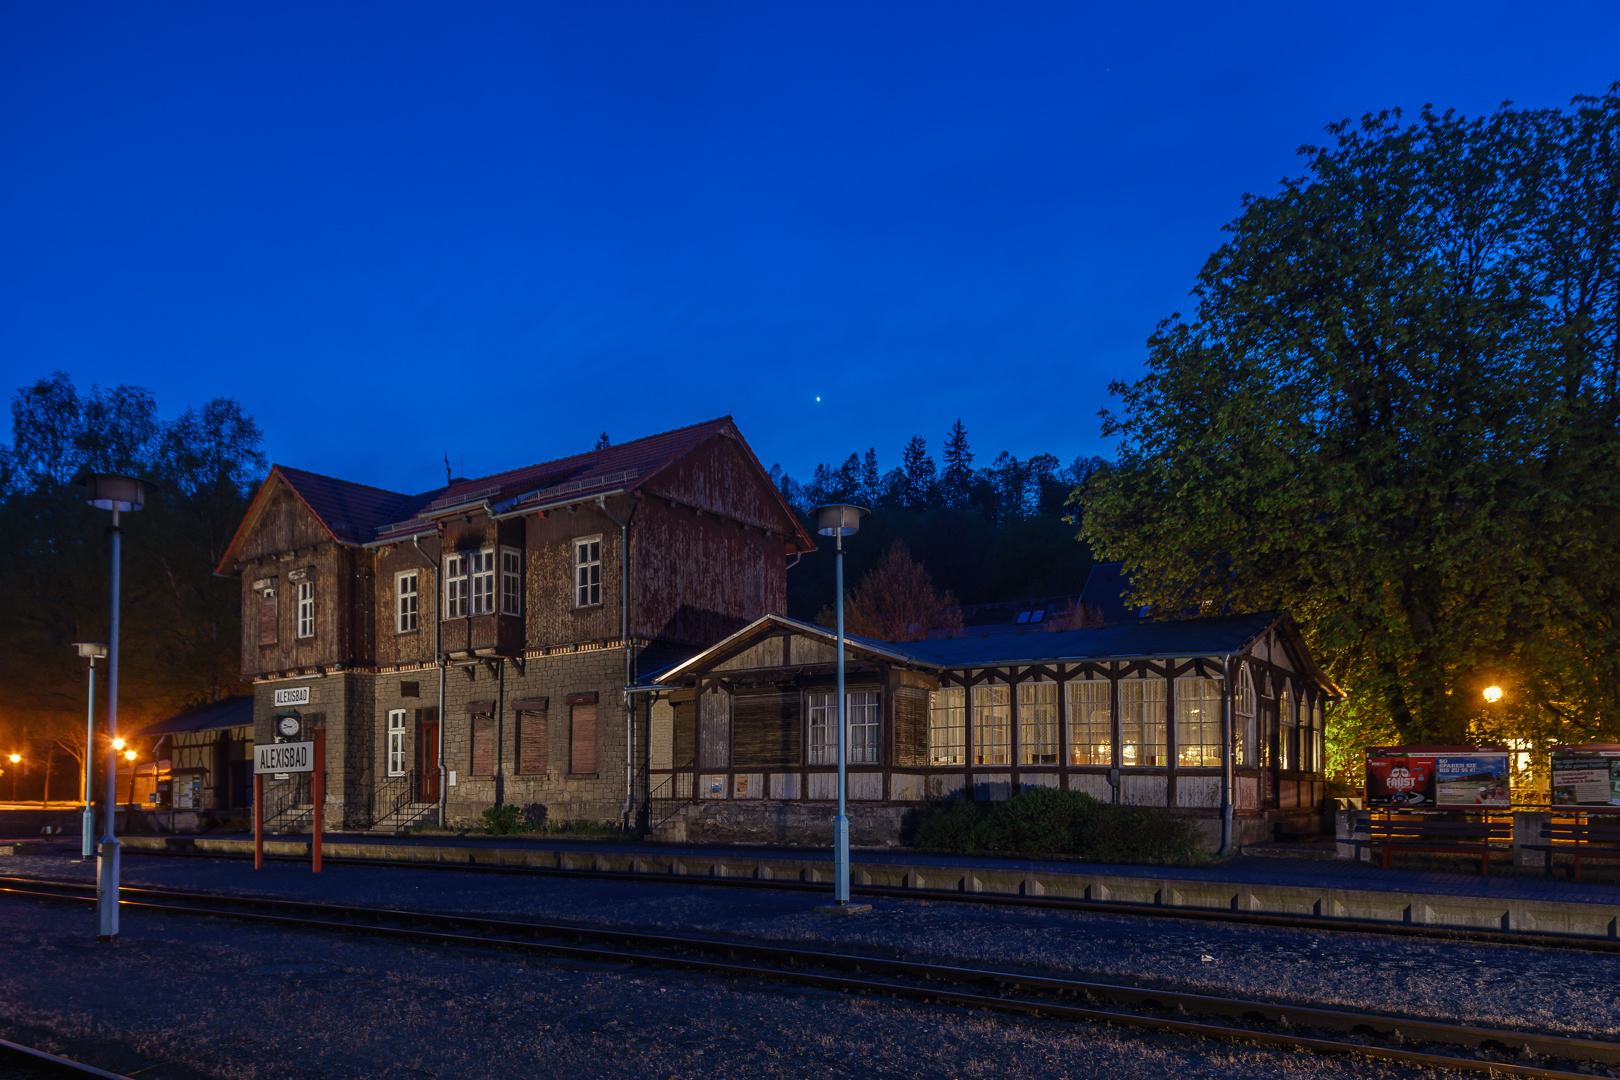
column 287, row 757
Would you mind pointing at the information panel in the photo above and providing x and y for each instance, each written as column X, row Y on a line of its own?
column 1586, row 775
column 1437, row 776
column 286, row 757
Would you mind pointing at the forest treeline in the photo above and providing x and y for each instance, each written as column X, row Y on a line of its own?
column 1002, row 531
column 181, row 639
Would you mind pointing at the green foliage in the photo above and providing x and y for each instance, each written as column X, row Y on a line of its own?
column 1052, row 821
column 181, row 638
column 1395, row 415
column 504, row 820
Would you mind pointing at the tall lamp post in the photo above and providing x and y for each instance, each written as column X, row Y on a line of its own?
column 15, row 759
column 92, row 651
column 120, row 494
column 839, row 520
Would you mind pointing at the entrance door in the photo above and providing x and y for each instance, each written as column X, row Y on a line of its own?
column 427, row 760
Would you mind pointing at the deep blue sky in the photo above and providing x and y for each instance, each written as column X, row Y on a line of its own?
column 498, row 229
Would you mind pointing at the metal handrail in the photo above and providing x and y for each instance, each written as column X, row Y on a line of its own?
column 288, row 801
column 398, row 792
column 664, row 801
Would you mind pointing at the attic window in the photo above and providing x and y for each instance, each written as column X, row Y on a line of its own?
column 1023, row 617
column 1037, row 616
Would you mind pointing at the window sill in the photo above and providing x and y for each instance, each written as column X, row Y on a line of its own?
column 402, row 633
column 581, row 776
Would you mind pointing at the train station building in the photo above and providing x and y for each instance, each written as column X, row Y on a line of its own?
column 1221, row 719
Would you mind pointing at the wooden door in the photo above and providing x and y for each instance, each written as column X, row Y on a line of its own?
column 427, row 760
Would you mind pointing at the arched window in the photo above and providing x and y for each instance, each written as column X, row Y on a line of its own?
column 1244, row 728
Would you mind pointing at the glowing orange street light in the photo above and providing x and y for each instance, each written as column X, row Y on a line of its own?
column 130, row 754
column 15, row 758
column 118, row 744
column 1493, row 694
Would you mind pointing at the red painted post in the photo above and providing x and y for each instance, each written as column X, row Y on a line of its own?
column 258, row 821
column 319, row 795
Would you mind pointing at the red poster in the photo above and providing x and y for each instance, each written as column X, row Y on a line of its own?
column 1400, row 781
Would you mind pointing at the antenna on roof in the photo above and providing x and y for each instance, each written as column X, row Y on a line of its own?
column 447, row 477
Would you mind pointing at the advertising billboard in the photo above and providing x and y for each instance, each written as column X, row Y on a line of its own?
column 1437, row 776
column 1586, row 775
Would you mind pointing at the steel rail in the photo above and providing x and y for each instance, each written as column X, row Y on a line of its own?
column 1399, row 1028
column 53, row 1062
column 1102, row 907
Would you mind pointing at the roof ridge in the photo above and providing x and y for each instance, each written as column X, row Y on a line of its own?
column 338, row 480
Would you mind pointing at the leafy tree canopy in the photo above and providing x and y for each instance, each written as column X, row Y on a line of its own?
column 1394, row 413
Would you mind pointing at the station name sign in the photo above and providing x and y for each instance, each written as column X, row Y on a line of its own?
column 286, row 757
column 296, row 695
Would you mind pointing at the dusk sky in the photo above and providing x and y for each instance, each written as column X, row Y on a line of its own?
column 495, row 230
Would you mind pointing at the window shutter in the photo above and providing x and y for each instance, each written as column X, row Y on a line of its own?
column 910, row 727
column 532, row 741
column 765, row 729
column 582, row 739
column 483, row 746
column 267, row 619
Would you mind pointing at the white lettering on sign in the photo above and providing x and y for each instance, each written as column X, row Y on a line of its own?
column 287, row 757
column 297, row 695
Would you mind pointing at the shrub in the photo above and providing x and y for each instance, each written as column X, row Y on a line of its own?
column 1052, row 821
column 503, row 820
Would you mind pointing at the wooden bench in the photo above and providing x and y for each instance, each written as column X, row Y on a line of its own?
column 1449, row 837
column 1590, row 836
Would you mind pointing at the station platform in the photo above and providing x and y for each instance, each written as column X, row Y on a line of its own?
column 1332, row 889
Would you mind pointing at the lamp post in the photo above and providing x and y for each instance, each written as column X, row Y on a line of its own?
column 120, row 494
column 15, row 759
column 92, row 651
column 839, row 520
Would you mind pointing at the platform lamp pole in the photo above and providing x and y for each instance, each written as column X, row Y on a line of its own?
column 839, row 520
column 92, row 651
column 120, row 494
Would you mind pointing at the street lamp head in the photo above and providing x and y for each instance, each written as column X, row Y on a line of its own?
column 91, row 650
column 1493, row 694
column 110, row 491
column 839, row 519
column 129, row 755
column 118, row 744
column 14, row 758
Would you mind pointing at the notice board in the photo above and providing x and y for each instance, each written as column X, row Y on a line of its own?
column 1586, row 775
column 1437, row 776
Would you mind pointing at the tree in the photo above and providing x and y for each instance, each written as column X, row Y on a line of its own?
column 602, row 442
column 958, row 479
column 1394, row 413
column 921, row 476
column 897, row 601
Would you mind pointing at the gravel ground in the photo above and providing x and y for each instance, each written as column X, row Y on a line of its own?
column 184, row 999
column 1564, row 991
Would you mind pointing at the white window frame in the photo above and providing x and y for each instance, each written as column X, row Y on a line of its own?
column 511, row 581
column 306, row 609
column 482, row 574
column 407, row 601
column 1141, row 723
column 1037, row 722
column 947, row 726
column 1198, row 723
column 1091, row 714
column 992, row 724
column 455, row 586
column 823, row 716
column 864, row 715
column 587, row 571
column 1287, row 721
column 396, row 742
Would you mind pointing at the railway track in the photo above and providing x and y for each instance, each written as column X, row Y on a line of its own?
column 1406, row 1040
column 1218, row 915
